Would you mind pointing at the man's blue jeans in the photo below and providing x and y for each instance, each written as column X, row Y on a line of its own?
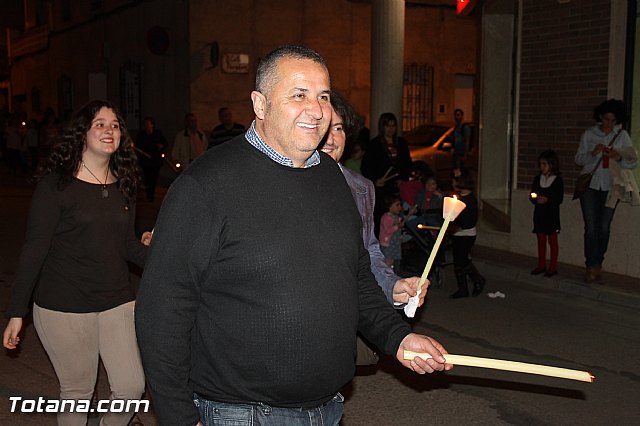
column 213, row 413
column 597, row 225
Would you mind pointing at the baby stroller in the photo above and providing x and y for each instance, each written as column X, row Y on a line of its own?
column 424, row 230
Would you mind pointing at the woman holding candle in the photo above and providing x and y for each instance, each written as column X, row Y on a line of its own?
column 600, row 146
column 547, row 192
column 386, row 161
column 345, row 124
column 385, row 151
column 464, row 237
column 80, row 235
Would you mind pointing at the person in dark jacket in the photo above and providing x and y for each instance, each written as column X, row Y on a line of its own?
column 547, row 192
column 151, row 144
column 387, row 151
column 386, row 162
column 226, row 130
column 464, row 237
column 258, row 318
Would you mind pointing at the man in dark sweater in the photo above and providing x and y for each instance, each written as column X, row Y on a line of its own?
column 226, row 130
column 257, row 279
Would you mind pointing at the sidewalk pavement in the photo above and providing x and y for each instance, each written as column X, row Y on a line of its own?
column 616, row 289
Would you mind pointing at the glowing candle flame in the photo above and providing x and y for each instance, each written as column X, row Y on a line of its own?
column 177, row 165
column 452, row 208
column 534, row 195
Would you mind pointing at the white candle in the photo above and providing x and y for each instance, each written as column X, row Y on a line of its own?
column 499, row 364
column 450, row 211
column 387, row 172
column 388, row 178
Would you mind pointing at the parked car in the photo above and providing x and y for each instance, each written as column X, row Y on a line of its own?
column 433, row 144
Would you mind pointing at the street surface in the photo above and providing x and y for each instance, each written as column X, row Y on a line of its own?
column 528, row 325
column 531, row 324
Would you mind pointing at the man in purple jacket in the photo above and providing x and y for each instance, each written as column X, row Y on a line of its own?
column 343, row 124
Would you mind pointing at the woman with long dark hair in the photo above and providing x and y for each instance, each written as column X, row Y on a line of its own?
column 386, row 161
column 387, row 150
column 80, row 235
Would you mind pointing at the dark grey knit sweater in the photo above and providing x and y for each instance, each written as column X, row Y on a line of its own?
column 256, row 283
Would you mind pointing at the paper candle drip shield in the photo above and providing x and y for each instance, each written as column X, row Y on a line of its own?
column 450, row 211
column 452, row 208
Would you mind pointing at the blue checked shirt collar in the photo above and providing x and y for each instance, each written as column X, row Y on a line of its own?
column 257, row 142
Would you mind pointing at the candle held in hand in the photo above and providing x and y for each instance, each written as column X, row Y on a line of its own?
column 534, row 195
column 499, row 364
column 450, row 211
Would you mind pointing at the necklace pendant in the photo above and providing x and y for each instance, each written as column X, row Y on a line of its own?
column 105, row 192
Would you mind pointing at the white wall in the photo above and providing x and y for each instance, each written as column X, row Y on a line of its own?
column 623, row 256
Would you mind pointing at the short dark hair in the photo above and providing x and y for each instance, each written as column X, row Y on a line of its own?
column 421, row 170
column 389, row 199
column 150, row 119
column 458, row 110
column 350, row 122
column 266, row 73
column 551, row 157
column 614, row 106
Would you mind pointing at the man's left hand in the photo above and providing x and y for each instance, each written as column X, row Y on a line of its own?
column 423, row 344
column 408, row 287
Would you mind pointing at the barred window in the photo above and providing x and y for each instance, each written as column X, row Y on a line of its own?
column 417, row 96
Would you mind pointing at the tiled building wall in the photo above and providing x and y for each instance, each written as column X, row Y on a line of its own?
column 564, row 71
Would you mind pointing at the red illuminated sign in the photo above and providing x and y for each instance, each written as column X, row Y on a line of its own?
column 462, row 4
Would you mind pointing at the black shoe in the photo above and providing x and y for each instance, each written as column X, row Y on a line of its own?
column 458, row 294
column 478, row 286
column 461, row 279
column 550, row 273
column 538, row 271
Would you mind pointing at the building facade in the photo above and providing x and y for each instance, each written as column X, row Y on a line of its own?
column 564, row 57
column 167, row 57
column 527, row 72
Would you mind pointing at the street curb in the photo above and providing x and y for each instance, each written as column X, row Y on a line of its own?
column 591, row 291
